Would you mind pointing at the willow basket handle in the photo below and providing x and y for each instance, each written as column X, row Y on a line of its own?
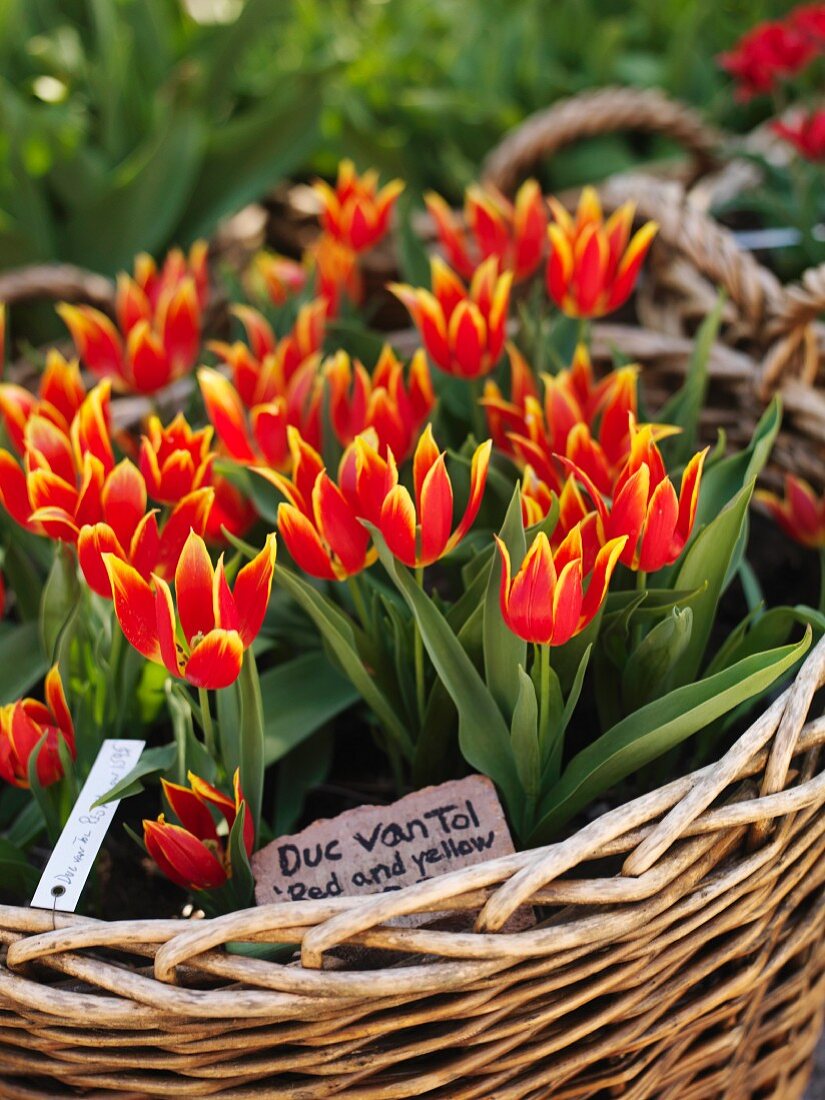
column 796, row 335
column 593, row 113
column 56, row 281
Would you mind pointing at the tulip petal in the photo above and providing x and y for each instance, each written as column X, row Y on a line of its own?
column 190, row 811
column 194, row 577
column 304, row 543
column 657, row 546
column 397, row 525
column 93, row 542
column 215, row 662
column 134, row 605
column 339, row 526
column 182, row 857
column 252, row 590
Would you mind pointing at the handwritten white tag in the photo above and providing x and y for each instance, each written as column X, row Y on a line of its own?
column 77, row 846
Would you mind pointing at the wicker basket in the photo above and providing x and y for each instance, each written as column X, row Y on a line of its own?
column 683, row 957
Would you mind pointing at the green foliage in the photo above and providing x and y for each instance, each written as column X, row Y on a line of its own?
column 129, row 126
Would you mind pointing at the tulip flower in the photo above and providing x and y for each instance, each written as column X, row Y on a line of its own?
column 276, row 381
column 463, row 331
column 24, row 725
column 59, row 488
column 769, row 52
column 585, row 420
column 594, row 264
column 60, row 393
column 645, row 506
column 515, row 233
column 381, row 401
column 318, row 522
column 193, row 854
column 419, row 533
column 126, row 530
column 337, row 276
column 800, row 514
column 280, row 277
column 356, row 213
column 216, row 624
column 158, row 335
column 805, row 132
column 231, row 511
column 546, row 602
column 174, row 461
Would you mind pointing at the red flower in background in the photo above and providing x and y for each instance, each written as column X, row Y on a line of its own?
column 800, row 514
column 24, row 724
column 805, row 132
column 810, row 20
column 158, row 335
column 514, row 232
column 217, row 624
column 463, row 330
column 355, row 212
column 546, row 602
column 192, row 854
column 593, row 263
column 767, row 53
column 381, row 401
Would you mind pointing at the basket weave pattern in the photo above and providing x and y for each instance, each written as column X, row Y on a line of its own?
column 694, row 969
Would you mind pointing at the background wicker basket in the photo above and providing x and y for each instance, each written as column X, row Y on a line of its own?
column 681, row 952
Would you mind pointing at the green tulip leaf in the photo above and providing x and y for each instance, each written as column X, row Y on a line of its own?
column 656, row 728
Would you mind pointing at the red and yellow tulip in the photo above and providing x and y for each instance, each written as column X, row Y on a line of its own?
column 381, row 401
column 60, row 393
column 134, row 535
column 546, row 602
column 582, row 419
column 514, row 232
column 158, row 335
column 59, row 487
column 593, row 264
column 275, row 380
column 645, row 506
column 216, row 625
column 355, row 213
column 280, row 277
column 174, row 460
column 419, row 532
column 193, row 854
column 463, row 330
column 319, row 522
column 24, row 724
column 800, row 513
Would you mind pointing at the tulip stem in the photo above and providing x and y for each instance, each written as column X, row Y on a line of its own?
column 206, row 724
column 358, row 600
column 479, row 416
column 641, row 586
column 583, row 336
column 544, row 701
column 418, row 643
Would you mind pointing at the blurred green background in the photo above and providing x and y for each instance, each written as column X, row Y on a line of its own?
column 136, row 124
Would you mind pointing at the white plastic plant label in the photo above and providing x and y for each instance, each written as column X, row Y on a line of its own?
column 77, row 846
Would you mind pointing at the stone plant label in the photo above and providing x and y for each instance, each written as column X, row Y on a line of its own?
column 372, row 849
